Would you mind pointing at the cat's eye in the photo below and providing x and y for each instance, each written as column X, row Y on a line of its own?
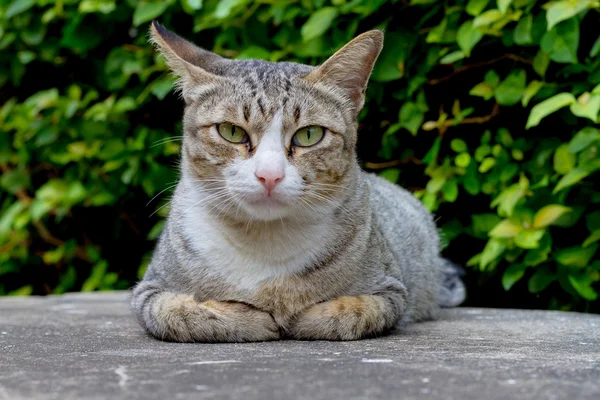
column 232, row 133
column 308, row 136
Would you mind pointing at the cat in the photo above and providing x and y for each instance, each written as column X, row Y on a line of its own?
column 274, row 230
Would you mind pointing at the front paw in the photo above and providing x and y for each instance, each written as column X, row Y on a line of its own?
column 245, row 323
column 344, row 318
column 180, row 318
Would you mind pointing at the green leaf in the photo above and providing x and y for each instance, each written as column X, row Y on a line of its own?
column 390, row 63
column 411, row 117
column 583, row 139
column 15, row 180
column 95, row 278
column 522, row 35
column 488, row 18
column 587, row 107
column 254, row 52
column 541, row 62
column 450, row 191
column 452, row 57
column 539, row 255
column 547, row 107
column 503, row 5
column 570, row 179
column 577, row 257
column 511, row 89
column 463, row 160
column 17, row 7
column 53, row 256
column 565, row 9
column 435, row 184
column 318, row 23
column 22, row 291
column 123, row 105
column 146, row 11
column 432, row 154
column 475, row 7
column 487, row 164
column 226, row 7
column 595, row 48
column 191, row 6
column 483, row 89
column 484, row 223
column 492, row 78
column 512, row 275
column 548, row 214
column 564, row 161
column 10, row 215
column 582, row 285
column 458, row 145
column 530, row 91
column 509, row 197
column 593, row 238
column 67, row 281
column 561, row 43
column 506, row 229
column 529, row 239
column 93, row 6
column 467, row 37
column 436, row 35
column 540, row 280
column 390, row 174
column 491, row 252
column 161, row 87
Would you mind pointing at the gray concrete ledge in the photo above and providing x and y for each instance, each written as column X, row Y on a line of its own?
column 89, row 346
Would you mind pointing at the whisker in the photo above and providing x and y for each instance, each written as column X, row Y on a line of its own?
column 161, row 207
column 206, row 199
column 159, row 193
column 167, row 140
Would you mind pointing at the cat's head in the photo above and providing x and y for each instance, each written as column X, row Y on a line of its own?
column 267, row 141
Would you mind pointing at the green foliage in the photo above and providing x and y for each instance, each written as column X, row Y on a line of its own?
column 488, row 110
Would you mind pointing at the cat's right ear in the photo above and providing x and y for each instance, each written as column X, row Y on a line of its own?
column 194, row 66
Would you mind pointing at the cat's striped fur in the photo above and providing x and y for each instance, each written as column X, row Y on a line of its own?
column 344, row 255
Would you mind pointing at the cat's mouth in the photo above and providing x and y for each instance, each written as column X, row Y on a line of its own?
column 266, row 200
column 267, row 207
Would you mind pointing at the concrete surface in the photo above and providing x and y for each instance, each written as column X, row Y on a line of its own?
column 89, row 346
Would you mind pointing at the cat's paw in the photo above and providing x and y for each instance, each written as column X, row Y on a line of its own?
column 246, row 323
column 180, row 318
column 344, row 318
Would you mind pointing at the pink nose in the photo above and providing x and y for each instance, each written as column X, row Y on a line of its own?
column 269, row 178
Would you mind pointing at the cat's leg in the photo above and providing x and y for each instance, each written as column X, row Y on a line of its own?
column 350, row 317
column 178, row 317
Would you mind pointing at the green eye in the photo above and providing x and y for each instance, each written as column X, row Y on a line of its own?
column 232, row 133
column 308, row 136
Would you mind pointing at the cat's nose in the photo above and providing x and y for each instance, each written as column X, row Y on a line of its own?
column 269, row 178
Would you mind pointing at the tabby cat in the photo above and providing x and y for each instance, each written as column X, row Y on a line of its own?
column 274, row 230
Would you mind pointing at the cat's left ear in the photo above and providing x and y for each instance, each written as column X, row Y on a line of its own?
column 350, row 67
column 196, row 67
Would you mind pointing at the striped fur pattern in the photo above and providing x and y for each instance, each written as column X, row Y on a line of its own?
column 333, row 253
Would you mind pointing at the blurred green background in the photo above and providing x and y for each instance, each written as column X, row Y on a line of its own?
column 486, row 109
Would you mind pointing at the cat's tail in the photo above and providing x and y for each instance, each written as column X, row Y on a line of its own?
column 452, row 291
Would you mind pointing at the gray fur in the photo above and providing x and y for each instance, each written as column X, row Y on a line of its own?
column 375, row 265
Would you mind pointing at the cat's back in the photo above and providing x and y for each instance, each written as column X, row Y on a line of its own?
column 396, row 208
column 413, row 239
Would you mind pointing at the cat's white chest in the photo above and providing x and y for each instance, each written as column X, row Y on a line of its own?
column 240, row 267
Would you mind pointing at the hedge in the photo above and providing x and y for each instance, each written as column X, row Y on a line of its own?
column 486, row 110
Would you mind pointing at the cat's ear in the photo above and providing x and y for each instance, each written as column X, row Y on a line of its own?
column 350, row 67
column 195, row 66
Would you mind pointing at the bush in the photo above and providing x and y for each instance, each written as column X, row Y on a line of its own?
column 487, row 110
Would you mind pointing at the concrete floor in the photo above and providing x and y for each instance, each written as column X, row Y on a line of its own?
column 89, row 346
